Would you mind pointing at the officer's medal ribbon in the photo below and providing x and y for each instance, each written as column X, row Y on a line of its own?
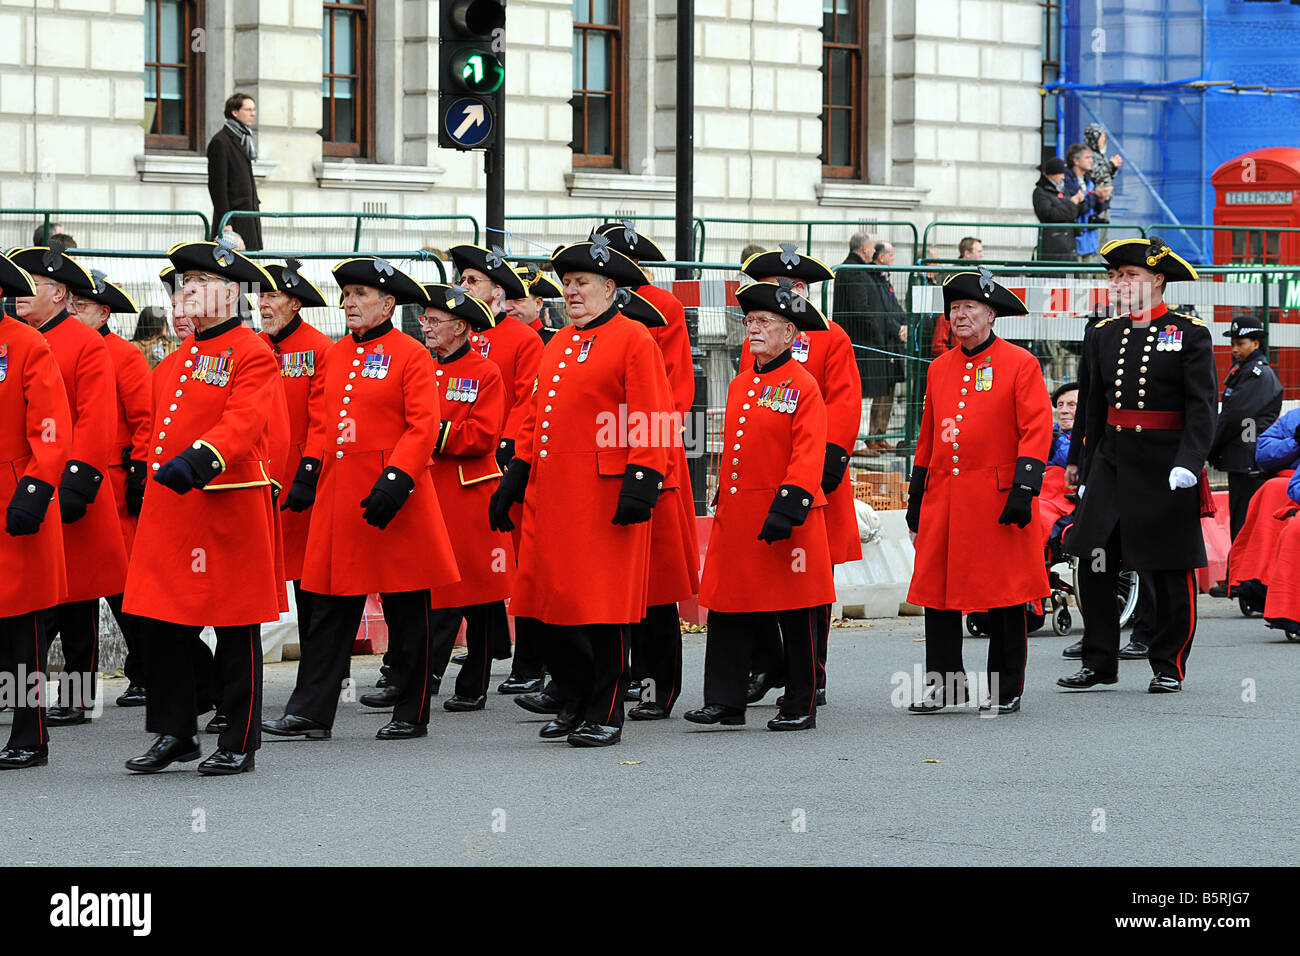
column 585, row 349
column 1171, row 339
column 4, row 361
column 984, row 378
column 376, row 364
column 799, row 350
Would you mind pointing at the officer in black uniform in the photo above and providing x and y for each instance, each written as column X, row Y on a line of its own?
column 1149, row 421
column 1252, row 400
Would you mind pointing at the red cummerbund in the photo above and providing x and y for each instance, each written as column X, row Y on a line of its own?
column 1133, row 418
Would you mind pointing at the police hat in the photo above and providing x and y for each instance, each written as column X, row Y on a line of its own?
column 14, row 280
column 780, row 298
column 638, row 308
column 622, row 235
column 290, row 281
column 219, row 258
column 980, row 287
column 382, row 275
column 456, row 301
column 538, row 283
column 107, row 293
column 492, row 263
column 50, row 262
column 1151, row 253
column 599, row 257
column 785, row 263
column 1246, row 327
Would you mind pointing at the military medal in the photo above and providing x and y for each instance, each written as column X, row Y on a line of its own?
column 4, row 361
column 213, row 369
column 799, row 350
column 984, row 378
column 462, row 389
column 484, row 346
column 297, row 364
column 585, row 348
column 1171, row 339
column 376, row 364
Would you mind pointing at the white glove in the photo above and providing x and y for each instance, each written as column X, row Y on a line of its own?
column 1181, row 478
column 1080, row 492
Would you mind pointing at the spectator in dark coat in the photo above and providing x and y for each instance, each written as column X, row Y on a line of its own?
column 851, row 305
column 230, row 169
column 1104, row 168
column 1096, row 200
column 1053, row 204
column 889, row 327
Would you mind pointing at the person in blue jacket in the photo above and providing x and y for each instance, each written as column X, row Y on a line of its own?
column 1065, row 401
column 1278, row 448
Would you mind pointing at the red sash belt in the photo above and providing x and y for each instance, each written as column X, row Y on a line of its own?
column 1133, row 418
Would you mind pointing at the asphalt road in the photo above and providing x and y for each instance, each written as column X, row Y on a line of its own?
column 1113, row 776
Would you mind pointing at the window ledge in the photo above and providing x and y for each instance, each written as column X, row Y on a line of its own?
column 349, row 174
column 869, row 195
column 188, row 169
column 602, row 184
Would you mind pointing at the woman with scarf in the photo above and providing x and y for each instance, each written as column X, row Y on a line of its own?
column 230, row 170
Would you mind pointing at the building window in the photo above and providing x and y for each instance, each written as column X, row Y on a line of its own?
column 345, row 78
column 844, row 36
column 1051, row 73
column 172, row 74
column 599, row 83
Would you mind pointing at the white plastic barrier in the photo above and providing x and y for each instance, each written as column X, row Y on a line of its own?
column 877, row 585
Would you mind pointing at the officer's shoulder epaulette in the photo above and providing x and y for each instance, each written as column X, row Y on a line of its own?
column 1190, row 318
column 1100, row 322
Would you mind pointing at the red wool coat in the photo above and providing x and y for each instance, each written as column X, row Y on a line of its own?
column 360, row 424
column 575, row 565
column 208, row 556
column 766, row 449
column 1254, row 550
column 35, row 435
column 134, row 414
column 971, row 437
column 828, row 356
column 93, row 549
column 472, row 399
column 1282, row 605
column 301, row 357
column 516, row 349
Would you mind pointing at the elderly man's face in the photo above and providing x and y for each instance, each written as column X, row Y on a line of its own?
column 365, row 307
column 277, row 310
column 526, row 310
column 50, row 299
column 769, row 335
column 480, row 286
column 94, row 314
column 443, row 332
column 586, row 295
column 971, row 321
column 1066, row 405
column 886, row 256
column 207, row 299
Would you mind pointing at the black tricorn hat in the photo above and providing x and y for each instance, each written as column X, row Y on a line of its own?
column 14, row 279
column 781, row 299
column 492, row 263
column 382, row 275
column 169, row 277
column 290, row 281
column 219, row 258
column 622, row 235
column 49, row 261
column 980, row 287
column 598, row 256
column 456, row 301
column 638, row 308
column 1150, row 253
column 785, row 263
column 108, row 293
column 538, row 283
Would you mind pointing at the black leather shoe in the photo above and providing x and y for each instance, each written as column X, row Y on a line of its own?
column 648, row 710
column 20, row 758
column 821, row 699
column 1086, row 677
column 759, row 685
column 292, row 726
column 561, row 726
column 225, row 762
column 383, row 699
column 460, row 659
column 935, row 698
column 460, row 704
column 519, row 685
column 65, row 716
column 595, row 735
column 717, row 714
column 1164, row 684
column 401, row 730
column 1010, row 707
column 166, row 750
column 1074, row 652
column 540, row 703
column 382, row 682
column 1134, row 651
column 633, row 691
column 792, row 722
column 133, row 696
column 218, row 724
column 1219, row 590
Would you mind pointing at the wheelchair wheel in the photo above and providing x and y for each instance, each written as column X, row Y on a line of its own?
column 1126, row 595
column 1061, row 622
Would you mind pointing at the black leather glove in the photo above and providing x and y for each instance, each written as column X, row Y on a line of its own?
column 1017, row 510
column 777, row 527
column 72, row 505
column 302, row 493
column 505, row 452
column 511, row 489
column 637, row 497
column 178, row 475
column 387, row 497
column 915, row 493
column 135, row 472
column 837, row 463
column 77, row 489
column 28, row 505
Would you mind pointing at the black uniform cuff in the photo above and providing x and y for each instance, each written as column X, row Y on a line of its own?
column 793, row 502
column 837, row 462
column 136, row 472
column 396, row 483
column 642, row 483
column 32, row 496
column 506, row 448
column 308, row 472
column 1029, row 472
column 204, row 461
column 444, row 428
column 916, row 487
column 82, row 478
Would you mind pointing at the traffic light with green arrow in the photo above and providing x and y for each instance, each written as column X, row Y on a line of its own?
column 471, row 72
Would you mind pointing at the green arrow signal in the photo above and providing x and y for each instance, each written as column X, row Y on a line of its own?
column 473, row 69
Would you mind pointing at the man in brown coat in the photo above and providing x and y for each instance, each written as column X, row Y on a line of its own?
column 230, row 170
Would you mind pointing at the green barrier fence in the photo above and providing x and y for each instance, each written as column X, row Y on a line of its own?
column 119, row 229
column 825, row 239
column 335, row 232
column 535, row 237
column 1011, row 242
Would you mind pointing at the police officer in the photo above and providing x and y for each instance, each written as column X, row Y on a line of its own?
column 35, row 429
column 768, row 556
column 985, row 435
column 1150, row 423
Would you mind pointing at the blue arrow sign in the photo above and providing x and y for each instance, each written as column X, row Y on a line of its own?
column 468, row 122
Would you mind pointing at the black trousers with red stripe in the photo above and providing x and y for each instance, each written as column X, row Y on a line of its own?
column 474, row 675
column 1008, row 649
column 1174, row 614
column 656, row 643
column 23, row 656
column 172, row 678
column 588, row 664
column 77, row 623
column 769, row 658
column 728, row 656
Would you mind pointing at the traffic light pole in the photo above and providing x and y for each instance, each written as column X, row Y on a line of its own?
column 685, row 132
column 494, row 166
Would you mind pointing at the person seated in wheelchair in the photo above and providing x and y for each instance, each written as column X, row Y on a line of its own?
column 1252, row 560
column 1282, row 603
